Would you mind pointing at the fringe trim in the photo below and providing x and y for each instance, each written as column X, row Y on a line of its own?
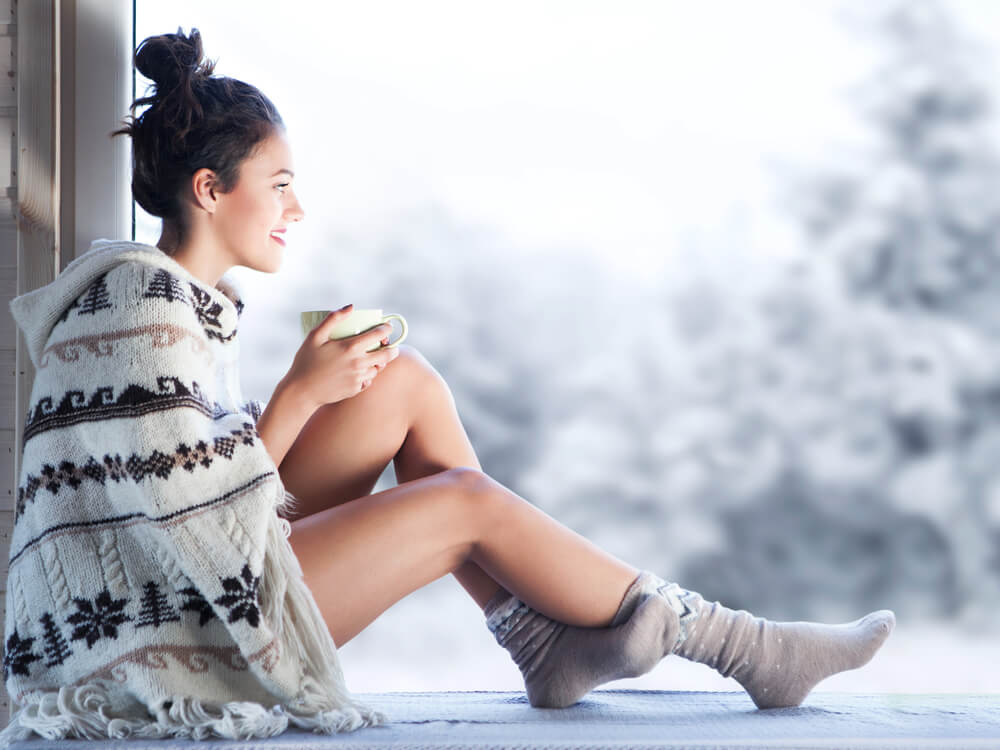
column 85, row 712
column 289, row 606
column 323, row 704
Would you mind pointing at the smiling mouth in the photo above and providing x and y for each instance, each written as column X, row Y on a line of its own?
column 277, row 238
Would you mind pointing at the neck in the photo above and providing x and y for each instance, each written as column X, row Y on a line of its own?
column 191, row 254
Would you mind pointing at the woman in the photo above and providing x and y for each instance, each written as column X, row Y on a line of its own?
column 183, row 562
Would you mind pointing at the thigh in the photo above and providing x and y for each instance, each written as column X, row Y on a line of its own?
column 361, row 557
column 344, row 447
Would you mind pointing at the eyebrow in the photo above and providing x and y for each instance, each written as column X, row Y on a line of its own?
column 289, row 172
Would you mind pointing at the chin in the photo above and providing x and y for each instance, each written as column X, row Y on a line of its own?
column 266, row 265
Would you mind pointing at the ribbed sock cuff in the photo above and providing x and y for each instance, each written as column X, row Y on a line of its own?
column 499, row 609
column 496, row 600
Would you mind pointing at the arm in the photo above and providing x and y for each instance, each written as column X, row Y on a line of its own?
column 322, row 373
column 282, row 420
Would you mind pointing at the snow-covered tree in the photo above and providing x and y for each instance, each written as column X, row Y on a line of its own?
column 913, row 226
column 915, row 220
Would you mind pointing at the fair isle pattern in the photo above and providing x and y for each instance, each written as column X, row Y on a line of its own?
column 156, row 464
column 682, row 602
column 267, row 655
column 147, row 551
column 194, row 659
column 93, row 523
column 168, row 287
column 94, row 299
column 134, row 400
column 103, row 344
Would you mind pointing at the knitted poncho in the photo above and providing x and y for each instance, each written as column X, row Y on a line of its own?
column 152, row 590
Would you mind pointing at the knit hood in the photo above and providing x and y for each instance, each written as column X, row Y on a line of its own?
column 36, row 312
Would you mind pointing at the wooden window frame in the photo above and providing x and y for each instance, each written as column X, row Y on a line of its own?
column 71, row 181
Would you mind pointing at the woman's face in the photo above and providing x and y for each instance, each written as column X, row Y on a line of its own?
column 251, row 219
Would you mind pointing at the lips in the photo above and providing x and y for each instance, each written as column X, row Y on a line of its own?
column 276, row 236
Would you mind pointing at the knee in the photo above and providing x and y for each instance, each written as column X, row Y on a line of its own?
column 469, row 481
column 422, row 387
column 412, row 369
column 411, row 362
column 473, row 493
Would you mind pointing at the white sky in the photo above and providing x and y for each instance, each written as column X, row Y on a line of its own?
column 630, row 129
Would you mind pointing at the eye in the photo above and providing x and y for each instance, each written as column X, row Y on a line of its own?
column 281, row 187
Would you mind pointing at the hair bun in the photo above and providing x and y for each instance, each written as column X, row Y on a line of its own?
column 171, row 59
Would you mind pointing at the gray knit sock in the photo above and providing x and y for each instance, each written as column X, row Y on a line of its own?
column 561, row 663
column 777, row 663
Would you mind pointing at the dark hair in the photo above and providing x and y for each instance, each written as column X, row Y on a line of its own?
column 194, row 120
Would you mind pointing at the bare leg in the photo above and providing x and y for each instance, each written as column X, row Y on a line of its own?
column 361, row 557
column 407, row 416
column 463, row 522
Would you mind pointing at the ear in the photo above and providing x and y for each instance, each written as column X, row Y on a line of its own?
column 203, row 185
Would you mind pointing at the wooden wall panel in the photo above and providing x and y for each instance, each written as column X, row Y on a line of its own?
column 55, row 115
column 33, row 260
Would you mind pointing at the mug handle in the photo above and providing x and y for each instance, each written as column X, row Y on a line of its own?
column 402, row 322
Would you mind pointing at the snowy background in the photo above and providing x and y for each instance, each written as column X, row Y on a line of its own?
column 714, row 284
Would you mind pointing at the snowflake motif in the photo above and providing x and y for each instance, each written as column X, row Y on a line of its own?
column 115, row 467
column 93, row 470
column 190, row 457
column 241, row 599
column 197, row 603
column 18, row 655
column 94, row 622
column 22, row 497
column 183, row 450
column 49, row 472
column 158, row 464
column 69, row 472
column 207, row 309
column 202, row 447
column 65, row 473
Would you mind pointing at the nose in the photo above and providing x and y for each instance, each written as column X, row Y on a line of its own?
column 294, row 211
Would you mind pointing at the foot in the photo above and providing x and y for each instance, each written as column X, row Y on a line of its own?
column 779, row 663
column 561, row 663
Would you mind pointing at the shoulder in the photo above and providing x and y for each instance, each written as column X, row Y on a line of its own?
column 127, row 294
column 157, row 293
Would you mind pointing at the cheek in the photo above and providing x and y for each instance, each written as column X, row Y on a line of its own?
column 256, row 216
column 267, row 210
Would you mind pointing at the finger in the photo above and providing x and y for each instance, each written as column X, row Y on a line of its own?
column 385, row 356
column 379, row 358
column 322, row 331
column 371, row 338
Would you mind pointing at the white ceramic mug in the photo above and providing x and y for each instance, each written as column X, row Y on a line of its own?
column 355, row 322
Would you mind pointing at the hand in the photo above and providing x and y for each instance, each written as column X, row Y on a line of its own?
column 326, row 370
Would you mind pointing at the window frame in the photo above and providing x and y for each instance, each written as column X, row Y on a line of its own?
column 97, row 45
column 67, row 53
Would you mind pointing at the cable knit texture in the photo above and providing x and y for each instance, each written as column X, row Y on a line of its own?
column 152, row 591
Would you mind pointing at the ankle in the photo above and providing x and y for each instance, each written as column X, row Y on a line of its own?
column 501, row 596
